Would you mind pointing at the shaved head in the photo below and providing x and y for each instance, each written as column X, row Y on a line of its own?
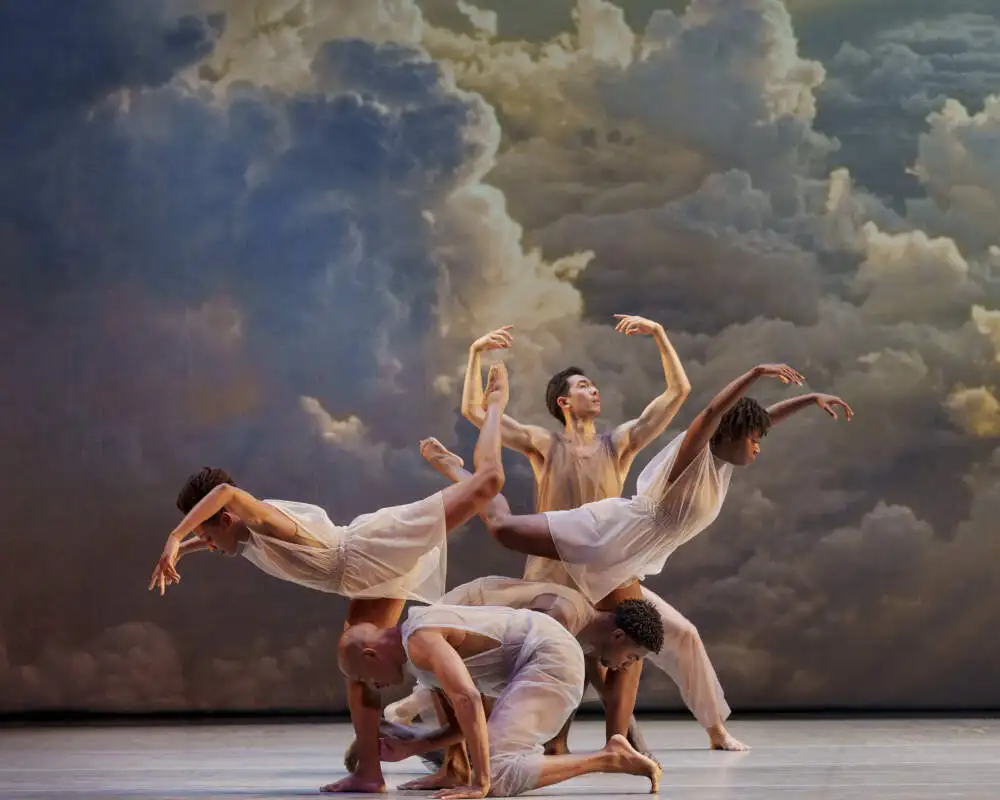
column 371, row 655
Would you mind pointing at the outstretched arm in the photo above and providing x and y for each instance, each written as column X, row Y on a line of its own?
column 701, row 431
column 248, row 508
column 430, row 651
column 634, row 435
column 528, row 440
column 828, row 402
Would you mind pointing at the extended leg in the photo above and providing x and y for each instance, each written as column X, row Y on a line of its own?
column 365, row 705
column 525, row 533
column 617, row 756
column 686, row 661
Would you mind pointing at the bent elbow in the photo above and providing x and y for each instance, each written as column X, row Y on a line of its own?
column 465, row 702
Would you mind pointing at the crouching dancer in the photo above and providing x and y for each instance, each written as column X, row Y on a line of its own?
column 528, row 661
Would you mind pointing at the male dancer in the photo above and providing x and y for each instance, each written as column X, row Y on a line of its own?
column 379, row 560
column 525, row 659
column 578, row 466
column 601, row 636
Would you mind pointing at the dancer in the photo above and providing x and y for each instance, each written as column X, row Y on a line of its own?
column 525, row 659
column 600, row 634
column 578, row 466
column 379, row 560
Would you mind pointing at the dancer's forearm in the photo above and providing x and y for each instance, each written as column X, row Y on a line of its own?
column 191, row 546
column 471, row 718
column 783, row 410
column 635, row 435
column 472, row 391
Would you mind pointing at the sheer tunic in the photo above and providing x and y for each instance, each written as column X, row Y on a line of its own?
column 396, row 552
column 610, row 542
column 535, row 671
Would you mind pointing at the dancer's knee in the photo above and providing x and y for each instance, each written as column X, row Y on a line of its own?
column 512, row 774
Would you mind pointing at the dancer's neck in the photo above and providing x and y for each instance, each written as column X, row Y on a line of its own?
column 580, row 431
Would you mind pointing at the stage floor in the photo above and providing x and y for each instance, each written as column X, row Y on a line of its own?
column 833, row 759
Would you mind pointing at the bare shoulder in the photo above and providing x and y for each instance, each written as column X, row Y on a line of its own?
column 424, row 644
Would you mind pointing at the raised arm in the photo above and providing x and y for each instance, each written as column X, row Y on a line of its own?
column 430, row 651
column 704, row 426
column 828, row 402
column 248, row 508
column 529, row 440
column 632, row 436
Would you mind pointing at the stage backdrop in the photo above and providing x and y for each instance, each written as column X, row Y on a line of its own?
column 262, row 235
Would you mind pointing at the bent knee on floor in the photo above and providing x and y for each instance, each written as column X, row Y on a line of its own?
column 514, row 774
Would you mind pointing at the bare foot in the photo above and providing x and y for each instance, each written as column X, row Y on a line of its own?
column 632, row 762
column 441, row 458
column 720, row 739
column 497, row 387
column 442, row 779
column 352, row 784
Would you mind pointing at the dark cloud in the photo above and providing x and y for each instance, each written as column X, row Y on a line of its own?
column 883, row 86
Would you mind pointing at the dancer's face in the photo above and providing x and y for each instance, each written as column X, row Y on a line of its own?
column 221, row 534
column 739, row 452
column 582, row 400
column 620, row 651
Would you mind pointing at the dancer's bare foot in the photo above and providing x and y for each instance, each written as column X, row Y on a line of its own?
column 497, row 387
column 630, row 761
column 353, row 784
column 441, row 458
column 720, row 739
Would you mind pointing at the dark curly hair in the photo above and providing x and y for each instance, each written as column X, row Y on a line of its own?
column 200, row 484
column 641, row 622
column 743, row 419
column 557, row 387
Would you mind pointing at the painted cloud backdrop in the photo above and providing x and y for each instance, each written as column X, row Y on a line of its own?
column 261, row 235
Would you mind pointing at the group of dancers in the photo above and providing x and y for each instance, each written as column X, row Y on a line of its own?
column 501, row 663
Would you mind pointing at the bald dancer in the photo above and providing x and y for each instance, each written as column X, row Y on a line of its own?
column 578, row 465
column 379, row 560
column 526, row 660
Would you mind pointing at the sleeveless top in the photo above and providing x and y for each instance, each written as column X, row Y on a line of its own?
column 569, row 480
column 517, row 633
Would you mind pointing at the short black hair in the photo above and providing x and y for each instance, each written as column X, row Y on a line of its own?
column 743, row 419
column 557, row 387
column 200, row 484
column 641, row 623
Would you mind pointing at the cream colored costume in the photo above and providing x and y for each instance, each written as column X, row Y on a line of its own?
column 610, row 542
column 397, row 552
column 536, row 673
